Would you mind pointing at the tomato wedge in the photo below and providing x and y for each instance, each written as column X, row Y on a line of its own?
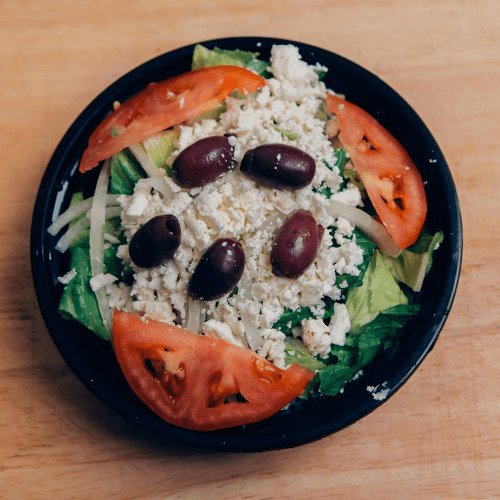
column 162, row 105
column 199, row 382
column 391, row 179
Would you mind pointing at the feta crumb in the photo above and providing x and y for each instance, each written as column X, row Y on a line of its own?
column 66, row 278
column 379, row 392
column 339, row 325
column 213, row 328
column 316, row 337
column 274, row 347
column 101, row 280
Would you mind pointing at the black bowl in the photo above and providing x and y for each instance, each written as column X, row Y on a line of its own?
column 92, row 359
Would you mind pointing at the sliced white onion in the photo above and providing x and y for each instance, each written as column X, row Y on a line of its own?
column 77, row 209
column 193, row 323
column 69, row 236
column 272, row 223
column 159, row 184
column 113, row 212
column 146, row 162
column 65, row 241
column 97, row 220
column 423, row 268
column 376, row 231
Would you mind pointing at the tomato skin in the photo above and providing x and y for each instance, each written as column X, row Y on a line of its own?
column 185, row 378
column 162, row 105
column 391, row 179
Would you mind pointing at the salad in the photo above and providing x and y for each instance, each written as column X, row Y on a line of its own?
column 253, row 238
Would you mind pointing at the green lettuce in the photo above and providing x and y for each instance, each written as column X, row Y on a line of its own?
column 412, row 265
column 78, row 301
column 362, row 346
column 296, row 352
column 203, row 57
column 160, row 147
column 378, row 292
column 125, row 172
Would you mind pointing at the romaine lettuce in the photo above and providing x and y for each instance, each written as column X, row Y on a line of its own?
column 203, row 57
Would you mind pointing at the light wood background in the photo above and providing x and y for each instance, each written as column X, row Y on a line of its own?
column 437, row 438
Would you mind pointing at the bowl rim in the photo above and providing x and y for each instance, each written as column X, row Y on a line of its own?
column 237, row 439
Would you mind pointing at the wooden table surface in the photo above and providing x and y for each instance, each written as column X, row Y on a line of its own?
column 438, row 437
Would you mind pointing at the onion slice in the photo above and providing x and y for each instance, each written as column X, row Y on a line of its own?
column 97, row 220
column 159, row 184
column 194, row 322
column 65, row 241
column 77, row 209
column 69, row 236
column 146, row 162
column 376, row 231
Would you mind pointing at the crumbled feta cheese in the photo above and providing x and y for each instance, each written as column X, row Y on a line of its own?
column 66, row 278
column 274, row 347
column 233, row 206
column 101, row 280
column 319, row 337
column 379, row 392
column 316, row 337
column 137, row 205
column 340, row 324
column 214, row 328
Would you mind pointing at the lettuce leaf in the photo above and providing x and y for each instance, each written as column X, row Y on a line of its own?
column 78, row 301
column 361, row 347
column 412, row 265
column 160, row 147
column 203, row 57
column 379, row 291
column 125, row 172
column 296, row 352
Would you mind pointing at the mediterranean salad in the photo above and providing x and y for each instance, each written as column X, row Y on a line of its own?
column 253, row 237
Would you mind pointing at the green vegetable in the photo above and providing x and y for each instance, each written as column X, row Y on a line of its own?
column 78, row 301
column 411, row 265
column 125, row 172
column 379, row 291
column 285, row 133
column 296, row 352
column 160, row 147
column 362, row 346
column 203, row 57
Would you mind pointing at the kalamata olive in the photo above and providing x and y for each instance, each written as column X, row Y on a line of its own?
column 156, row 241
column 279, row 166
column 295, row 245
column 218, row 271
column 203, row 162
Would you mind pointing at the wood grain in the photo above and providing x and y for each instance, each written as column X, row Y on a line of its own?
column 438, row 438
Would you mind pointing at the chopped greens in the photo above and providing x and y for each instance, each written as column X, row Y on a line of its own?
column 203, row 57
column 125, row 172
column 378, row 292
column 285, row 133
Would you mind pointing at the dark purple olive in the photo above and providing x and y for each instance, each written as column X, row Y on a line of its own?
column 203, row 162
column 219, row 270
column 156, row 241
column 279, row 166
column 295, row 245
